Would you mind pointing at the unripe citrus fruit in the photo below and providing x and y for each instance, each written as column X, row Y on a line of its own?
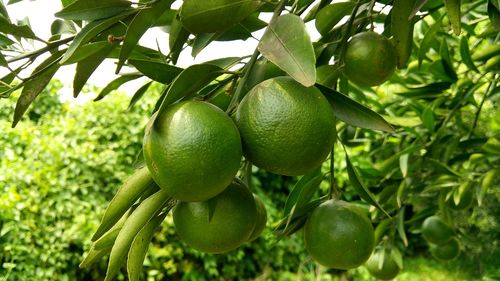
column 370, row 59
column 436, row 231
column 338, row 235
column 208, row 16
column 225, row 227
column 193, row 150
column 261, row 219
column 286, row 128
column 446, row 251
column 387, row 271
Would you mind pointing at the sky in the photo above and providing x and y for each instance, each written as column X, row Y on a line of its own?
column 40, row 14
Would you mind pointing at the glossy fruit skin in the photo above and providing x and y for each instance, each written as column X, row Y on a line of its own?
column 338, row 235
column 370, row 59
column 193, row 150
column 286, row 128
column 209, row 16
column 389, row 269
column 261, row 219
column 446, row 251
column 231, row 224
column 436, row 231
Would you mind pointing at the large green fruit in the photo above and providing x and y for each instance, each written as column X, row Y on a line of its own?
column 193, row 150
column 222, row 229
column 209, row 16
column 286, row 128
column 370, row 59
column 446, row 251
column 338, row 235
column 436, row 231
column 388, row 269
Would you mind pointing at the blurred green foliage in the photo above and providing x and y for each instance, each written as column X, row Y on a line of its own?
column 61, row 166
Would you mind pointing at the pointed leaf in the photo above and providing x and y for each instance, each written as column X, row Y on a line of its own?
column 115, row 84
column 189, row 81
column 453, row 13
column 401, row 226
column 40, row 78
column 427, row 91
column 91, row 30
column 92, row 9
column 87, row 66
column 428, row 119
column 427, row 42
column 403, row 164
column 138, row 95
column 465, row 54
column 286, row 43
column 358, row 186
column 86, row 51
column 397, row 257
column 303, row 184
column 139, row 247
column 158, row 71
column 24, row 31
column 330, row 15
column 486, row 183
column 402, row 29
column 354, row 113
column 142, row 21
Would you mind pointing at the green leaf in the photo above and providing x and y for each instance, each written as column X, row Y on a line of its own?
column 88, row 65
column 401, row 226
column 139, row 247
column 427, row 42
column 354, row 113
column 494, row 14
column 388, row 164
column 453, row 13
column 142, row 21
column 403, row 164
column 328, row 75
column 244, row 29
column 24, row 31
column 397, row 257
column 86, row 51
column 138, row 95
column 303, row 190
column 428, row 119
column 91, row 30
column 189, row 81
column 177, row 37
column 286, row 43
column 115, row 84
column 92, row 9
column 358, row 186
column 330, row 15
column 427, row 91
column 3, row 61
column 38, row 80
column 486, row 183
column 402, row 29
column 157, row 71
column 382, row 228
column 465, row 54
column 443, row 168
column 404, row 121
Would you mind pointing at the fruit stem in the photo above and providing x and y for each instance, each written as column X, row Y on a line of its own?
column 250, row 64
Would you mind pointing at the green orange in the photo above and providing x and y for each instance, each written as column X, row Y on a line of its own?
column 193, row 150
column 387, row 269
column 370, row 59
column 446, row 251
column 436, row 231
column 286, row 128
column 209, row 16
column 338, row 235
column 220, row 224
